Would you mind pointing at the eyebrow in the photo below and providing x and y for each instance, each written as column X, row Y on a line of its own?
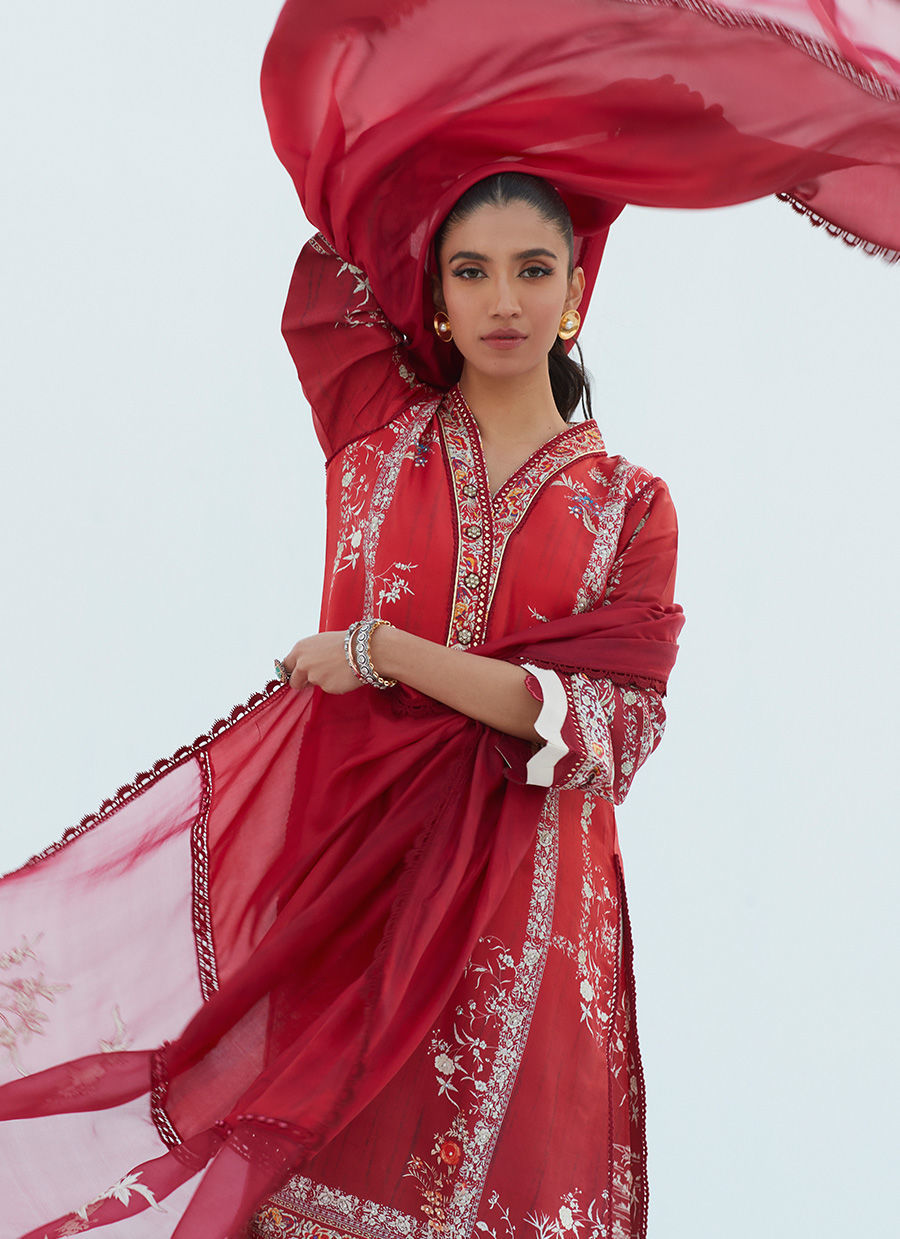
column 522, row 254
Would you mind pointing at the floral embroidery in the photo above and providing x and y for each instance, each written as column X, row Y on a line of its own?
column 18, row 954
column 643, row 723
column 365, row 311
column 602, row 516
column 485, row 524
column 590, row 703
column 491, row 1033
column 354, row 486
column 468, row 619
column 596, row 954
column 122, row 1191
column 513, row 500
column 21, row 1013
column 573, row 1219
column 491, row 1029
column 437, row 1177
column 392, row 584
column 465, row 1063
column 120, row 1039
column 409, row 429
column 277, row 1222
column 615, row 574
column 333, row 1211
column 569, row 1219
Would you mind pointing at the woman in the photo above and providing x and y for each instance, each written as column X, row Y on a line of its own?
column 549, row 526
column 407, row 920
column 356, row 857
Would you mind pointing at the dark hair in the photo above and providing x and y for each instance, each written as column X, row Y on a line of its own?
column 568, row 379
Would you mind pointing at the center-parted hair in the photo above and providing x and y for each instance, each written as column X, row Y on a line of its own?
column 568, row 380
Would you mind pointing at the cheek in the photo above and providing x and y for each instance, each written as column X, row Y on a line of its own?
column 546, row 310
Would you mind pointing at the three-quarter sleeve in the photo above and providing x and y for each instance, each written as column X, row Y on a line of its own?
column 351, row 361
column 598, row 732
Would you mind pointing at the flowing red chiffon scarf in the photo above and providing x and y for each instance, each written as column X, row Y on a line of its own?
column 384, row 113
column 383, row 835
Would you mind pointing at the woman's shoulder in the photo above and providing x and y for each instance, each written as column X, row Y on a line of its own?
column 614, row 478
column 414, row 420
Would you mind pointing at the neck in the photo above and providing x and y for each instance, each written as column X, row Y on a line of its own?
column 513, row 409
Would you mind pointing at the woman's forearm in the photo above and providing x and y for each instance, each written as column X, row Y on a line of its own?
column 486, row 689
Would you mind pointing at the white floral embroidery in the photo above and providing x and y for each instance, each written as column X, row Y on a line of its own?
column 18, row 954
column 643, row 724
column 596, row 954
column 489, row 1039
column 601, row 511
column 354, row 487
column 573, row 1219
column 408, row 428
column 510, row 991
column 21, row 1014
column 120, row 1039
column 122, row 1191
column 393, row 585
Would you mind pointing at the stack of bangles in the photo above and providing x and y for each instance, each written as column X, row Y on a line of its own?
column 356, row 651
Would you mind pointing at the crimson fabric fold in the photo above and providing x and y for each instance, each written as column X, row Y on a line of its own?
column 383, row 113
column 356, row 847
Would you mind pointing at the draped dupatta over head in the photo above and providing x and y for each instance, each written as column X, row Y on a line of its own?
column 384, row 113
column 316, row 871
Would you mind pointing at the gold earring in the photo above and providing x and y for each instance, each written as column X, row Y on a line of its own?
column 442, row 328
column 569, row 324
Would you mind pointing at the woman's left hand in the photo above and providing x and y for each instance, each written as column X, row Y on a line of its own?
column 320, row 660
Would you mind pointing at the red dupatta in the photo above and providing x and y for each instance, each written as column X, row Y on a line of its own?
column 384, row 834
column 345, row 851
column 384, row 113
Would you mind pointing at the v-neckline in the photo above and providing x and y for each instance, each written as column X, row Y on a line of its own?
column 475, row 431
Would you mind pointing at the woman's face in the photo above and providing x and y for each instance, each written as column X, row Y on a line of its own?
column 504, row 284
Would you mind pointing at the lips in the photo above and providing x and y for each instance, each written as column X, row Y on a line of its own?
column 505, row 335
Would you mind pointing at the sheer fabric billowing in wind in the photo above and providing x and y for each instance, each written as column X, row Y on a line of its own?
column 239, row 958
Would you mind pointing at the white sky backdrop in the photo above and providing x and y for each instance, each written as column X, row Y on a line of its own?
column 161, row 518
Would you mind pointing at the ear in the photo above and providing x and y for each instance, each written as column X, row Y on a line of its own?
column 576, row 289
column 437, row 292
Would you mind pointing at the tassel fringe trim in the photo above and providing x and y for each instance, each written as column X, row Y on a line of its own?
column 818, row 221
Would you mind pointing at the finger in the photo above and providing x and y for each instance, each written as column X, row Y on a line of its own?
column 299, row 679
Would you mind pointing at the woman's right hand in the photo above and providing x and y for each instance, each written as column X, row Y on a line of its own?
column 320, row 660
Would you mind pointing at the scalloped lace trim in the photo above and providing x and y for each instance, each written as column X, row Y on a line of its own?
column 146, row 778
column 834, row 230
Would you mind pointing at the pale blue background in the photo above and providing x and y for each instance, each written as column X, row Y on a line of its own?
column 161, row 532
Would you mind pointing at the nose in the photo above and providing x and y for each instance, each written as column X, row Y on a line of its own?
column 506, row 303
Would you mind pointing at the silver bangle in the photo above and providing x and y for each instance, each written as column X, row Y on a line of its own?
column 361, row 656
column 348, row 649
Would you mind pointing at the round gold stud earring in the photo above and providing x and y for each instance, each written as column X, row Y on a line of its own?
column 569, row 324
column 442, row 328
